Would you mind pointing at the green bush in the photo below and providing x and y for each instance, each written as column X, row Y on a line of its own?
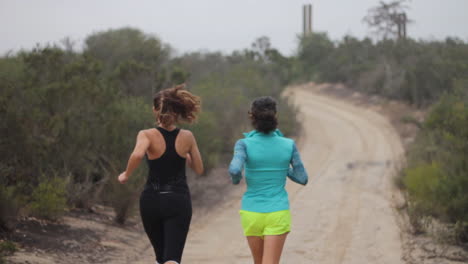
column 7, row 248
column 422, row 183
column 418, row 72
column 437, row 174
column 123, row 198
column 209, row 146
column 76, row 114
column 9, row 207
column 461, row 231
column 48, row 200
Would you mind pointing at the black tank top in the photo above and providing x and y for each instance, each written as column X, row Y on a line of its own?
column 167, row 173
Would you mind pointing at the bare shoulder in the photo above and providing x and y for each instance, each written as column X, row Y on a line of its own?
column 186, row 133
column 146, row 133
column 187, row 136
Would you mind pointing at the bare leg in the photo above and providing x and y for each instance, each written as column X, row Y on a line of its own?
column 256, row 246
column 273, row 247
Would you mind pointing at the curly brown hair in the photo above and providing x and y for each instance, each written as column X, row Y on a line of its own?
column 263, row 114
column 176, row 104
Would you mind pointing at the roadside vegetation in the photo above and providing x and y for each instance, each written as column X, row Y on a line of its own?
column 69, row 118
column 427, row 74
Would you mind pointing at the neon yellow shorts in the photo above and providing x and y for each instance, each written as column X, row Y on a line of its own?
column 265, row 224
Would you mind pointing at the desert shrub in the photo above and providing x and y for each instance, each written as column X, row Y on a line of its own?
column 48, row 199
column 9, row 207
column 461, row 231
column 418, row 72
column 75, row 115
column 86, row 192
column 208, row 144
column 123, row 200
column 7, row 248
column 437, row 174
column 123, row 197
column 422, row 183
column 227, row 89
column 288, row 118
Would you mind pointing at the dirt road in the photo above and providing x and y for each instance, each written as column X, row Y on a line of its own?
column 344, row 215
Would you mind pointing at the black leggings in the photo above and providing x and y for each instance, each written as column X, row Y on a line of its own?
column 166, row 219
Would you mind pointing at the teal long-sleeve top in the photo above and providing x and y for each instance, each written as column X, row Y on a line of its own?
column 267, row 159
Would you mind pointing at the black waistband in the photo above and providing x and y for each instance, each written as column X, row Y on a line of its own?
column 166, row 188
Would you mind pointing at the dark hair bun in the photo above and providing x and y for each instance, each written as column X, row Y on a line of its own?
column 263, row 111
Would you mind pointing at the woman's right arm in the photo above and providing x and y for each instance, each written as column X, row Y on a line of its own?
column 195, row 160
column 142, row 144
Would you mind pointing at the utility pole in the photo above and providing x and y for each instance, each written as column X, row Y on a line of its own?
column 307, row 19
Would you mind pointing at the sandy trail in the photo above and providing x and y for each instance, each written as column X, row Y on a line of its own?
column 344, row 215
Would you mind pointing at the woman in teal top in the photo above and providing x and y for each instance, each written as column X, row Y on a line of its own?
column 269, row 158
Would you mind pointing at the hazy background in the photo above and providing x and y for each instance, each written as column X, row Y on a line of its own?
column 88, row 103
column 212, row 24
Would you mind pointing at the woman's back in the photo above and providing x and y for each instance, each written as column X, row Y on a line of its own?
column 157, row 145
column 168, row 169
column 165, row 204
column 267, row 156
column 268, row 152
column 266, row 167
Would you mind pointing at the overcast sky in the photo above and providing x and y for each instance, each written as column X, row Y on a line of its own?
column 214, row 25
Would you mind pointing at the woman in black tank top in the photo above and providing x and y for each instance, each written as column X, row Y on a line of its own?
column 165, row 205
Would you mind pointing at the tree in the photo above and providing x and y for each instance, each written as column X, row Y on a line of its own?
column 137, row 61
column 314, row 51
column 388, row 19
column 260, row 47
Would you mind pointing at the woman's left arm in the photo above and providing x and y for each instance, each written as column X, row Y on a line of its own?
column 142, row 144
column 238, row 161
column 297, row 173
